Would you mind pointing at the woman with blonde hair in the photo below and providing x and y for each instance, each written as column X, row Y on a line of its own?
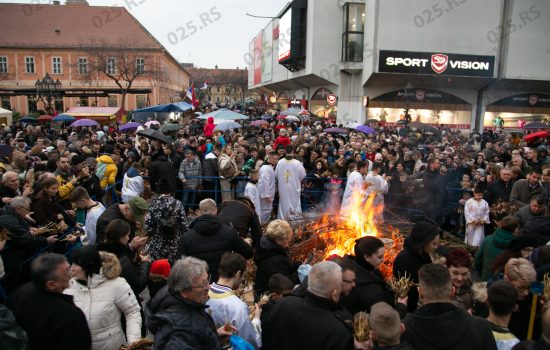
column 521, row 273
column 272, row 256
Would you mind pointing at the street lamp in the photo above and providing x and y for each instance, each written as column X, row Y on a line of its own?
column 47, row 89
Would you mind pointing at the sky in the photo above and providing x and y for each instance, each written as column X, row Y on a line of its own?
column 203, row 32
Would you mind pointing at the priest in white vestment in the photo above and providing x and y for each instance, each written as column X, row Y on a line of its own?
column 267, row 186
column 289, row 174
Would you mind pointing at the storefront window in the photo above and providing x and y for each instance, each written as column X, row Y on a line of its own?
column 141, row 101
column 6, row 104
column 112, row 101
column 31, row 104
column 58, row 105
column 352, row 37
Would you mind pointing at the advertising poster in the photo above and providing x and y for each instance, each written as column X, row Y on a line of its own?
column 267, row 53
column 258, row 58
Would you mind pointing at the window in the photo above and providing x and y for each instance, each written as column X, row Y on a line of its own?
column 217, row 98
column 352, row 37
column 140, row 65
column 6, row 103
column 56, row 65
column 82, row 65
column 83, row 102
column 31, row 104
column 141, row 101
column 3, row 64
column 112, row 101
column 111, row 65
column 29, row 65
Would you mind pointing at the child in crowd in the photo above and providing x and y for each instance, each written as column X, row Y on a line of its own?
column 158, row 276
column 476, row 213
column 386, row 328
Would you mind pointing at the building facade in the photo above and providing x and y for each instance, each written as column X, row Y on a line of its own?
column 101, row 56
column 451, row 62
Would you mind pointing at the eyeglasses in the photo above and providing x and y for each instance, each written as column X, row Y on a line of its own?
column 204, row 284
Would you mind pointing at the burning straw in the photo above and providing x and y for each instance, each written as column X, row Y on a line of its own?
column 361, row 328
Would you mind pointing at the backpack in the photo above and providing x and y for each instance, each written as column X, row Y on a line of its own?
column 100, row 170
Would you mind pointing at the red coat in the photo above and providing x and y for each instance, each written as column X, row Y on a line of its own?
column 209, row 127
column 281, row 140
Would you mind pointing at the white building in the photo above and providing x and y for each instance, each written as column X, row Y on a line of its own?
column 453, row 62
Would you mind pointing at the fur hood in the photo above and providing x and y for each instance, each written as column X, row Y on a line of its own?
column 110, row 266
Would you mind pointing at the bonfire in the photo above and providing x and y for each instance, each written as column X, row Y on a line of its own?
column 334, row 235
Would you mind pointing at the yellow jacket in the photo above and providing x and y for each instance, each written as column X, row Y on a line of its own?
column 106, row 171
column 65, row 187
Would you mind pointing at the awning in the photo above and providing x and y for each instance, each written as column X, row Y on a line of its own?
column 96, row 113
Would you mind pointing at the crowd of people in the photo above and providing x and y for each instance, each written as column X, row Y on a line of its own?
column 109, row 237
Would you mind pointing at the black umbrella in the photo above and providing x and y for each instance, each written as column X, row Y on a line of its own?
column 536, row 125
column 155, row 135
column 422, row 126
column 170, row 127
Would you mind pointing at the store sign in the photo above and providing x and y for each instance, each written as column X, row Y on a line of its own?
column 331, row 99
column 321, row 94
column 436, row 63
column 525, row 100
column 420, row 95
column 284, row 35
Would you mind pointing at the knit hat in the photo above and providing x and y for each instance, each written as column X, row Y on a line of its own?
column 77, row 159
column 421, row 234
column 6, row 151
column 88, row 258
column 481, row 172
column 138, row 207
column 164, row 185
column 160, row 268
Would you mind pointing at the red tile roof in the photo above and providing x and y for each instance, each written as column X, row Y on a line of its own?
column 61, row 26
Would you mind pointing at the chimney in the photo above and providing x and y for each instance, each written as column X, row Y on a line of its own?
column 57, row 2
column 77, row 3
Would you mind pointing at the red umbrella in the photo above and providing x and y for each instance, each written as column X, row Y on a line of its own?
column 259, row 122
column 281, row 117
column 530, row 137
column 45, row 118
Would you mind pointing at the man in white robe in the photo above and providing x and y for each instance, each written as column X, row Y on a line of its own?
column 289, row 174
column 251, row 191
column 355, row 184
column 267, row 186
column 476, row 213
column 378, row 187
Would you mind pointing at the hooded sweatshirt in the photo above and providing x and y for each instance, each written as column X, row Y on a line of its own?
column 438, row 326
column 492, row 246
column 209, row 127
column 106, row 170
column 132, row 186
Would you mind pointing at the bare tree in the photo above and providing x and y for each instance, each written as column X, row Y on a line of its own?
column 123, row 63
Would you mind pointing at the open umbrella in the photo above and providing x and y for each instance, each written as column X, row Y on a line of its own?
column 259, row 122
column 535, row 135
column 292, row 118
column 63, row 118
column 365, row 129
column 536, row 125
column 169, row 127
column 292, row 111
column 336, row 130
column 228, row 125
column 84, row 122
column 224, row 114
column 45, row 118
column 27, row 119
column 267, row 117
column 422, row 126
column 372, row 121
column 129, row 126
column 281, row 117
column 151, row 122
column 155, row 135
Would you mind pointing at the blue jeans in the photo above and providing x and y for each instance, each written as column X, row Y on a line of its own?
column 188, row 198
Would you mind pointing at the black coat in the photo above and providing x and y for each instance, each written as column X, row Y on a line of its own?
column 178, row 323
column 271, row 258
column 444, row 326
column 6, row 192
column 243, row 219
column 434, row 193
column 20, row 240
column 161, row 167
column 402, row 346
column 408, row 262
column 539, row 227
column 210, row 168
column 52, row 321
column 370, row 288
column 208, row 239
column 306, row 323
column 498, row 191
column 135, row 273
column 111, row 213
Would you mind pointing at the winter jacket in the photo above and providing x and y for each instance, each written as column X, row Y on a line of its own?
column 281, row 140
column 272, row 258
column 51, row 320
column 540, row 228
column 111, row 213
column 408, row 262
column 463, row 297
column 135, row 273
column 306, row 323
column 161, row 167
column 208, row 239
column 6, row 192
column 209, row 127
column 20, row 240
column 106, row 170
column 210, row 167
column 65, row 185
column 492, row 246
column 498, row 191
column 522, row 193
column 104, row 299
column 525, row 215
column 227, row 166
column 434, row 193
column 439, row 326
column 370, row 288
column 132, row 185
column 179, row 323
column 46, row 210
column 188, row 170
column 242, row 218
column 12, row 336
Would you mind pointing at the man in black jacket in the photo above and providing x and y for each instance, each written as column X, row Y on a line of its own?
column 438, row 324
column 208, row 239
column 50, row 318
column 161, row 167
column 21, row 240
column 241, row 215
column 500, row 189
column 310, row 322
column 434, row 190
column 210, row 171
column 177, row 314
